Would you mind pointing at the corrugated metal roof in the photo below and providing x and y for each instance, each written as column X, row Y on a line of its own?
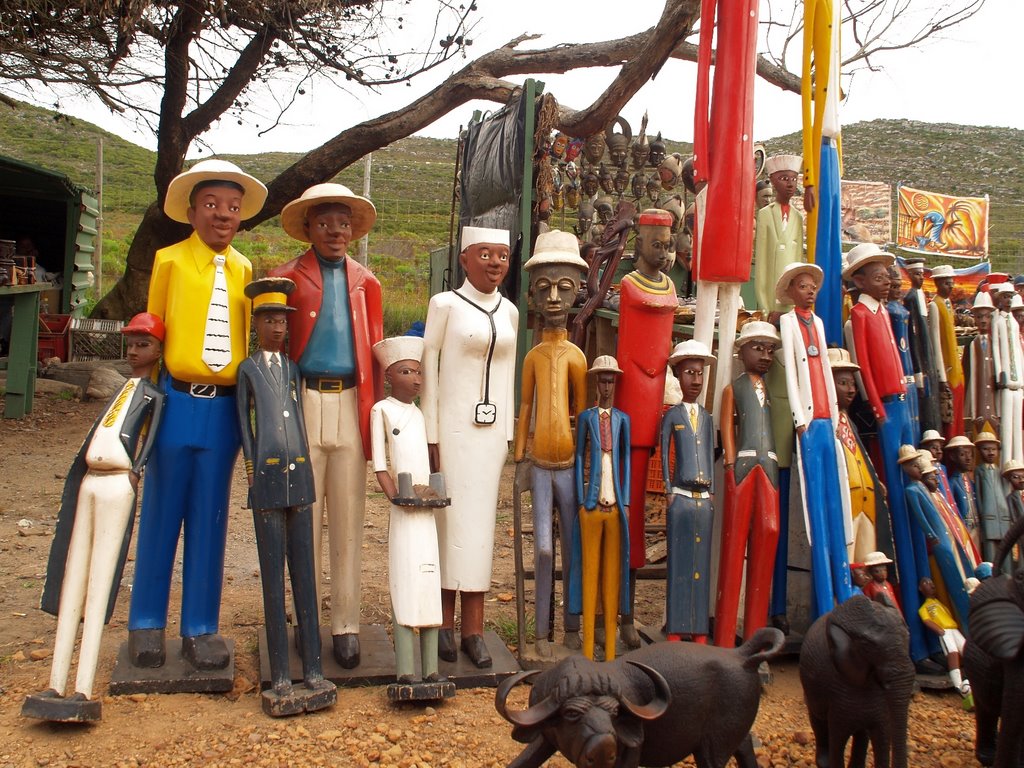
column 20, row 178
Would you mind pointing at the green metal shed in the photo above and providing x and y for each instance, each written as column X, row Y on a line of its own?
column 60, row 218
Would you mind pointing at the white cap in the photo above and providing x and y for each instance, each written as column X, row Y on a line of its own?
column 930, row 435
column 1017, row 302
column 943, row 270
column 390, row 351
column 876, row 558
column 792, row 163
column 757, row 330
column 474, row 235
column 556, row 247
column 863, row 254
column 691, row 348
column 789, row 272
column 983, row 301
column 1001, row 288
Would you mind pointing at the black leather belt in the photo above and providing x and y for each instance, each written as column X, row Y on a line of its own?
column 893, row 398
column 331, row 383
column 205, row 391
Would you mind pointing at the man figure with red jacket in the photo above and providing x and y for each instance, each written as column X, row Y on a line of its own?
column 339, row 317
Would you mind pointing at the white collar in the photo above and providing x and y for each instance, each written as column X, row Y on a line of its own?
column 870, row 302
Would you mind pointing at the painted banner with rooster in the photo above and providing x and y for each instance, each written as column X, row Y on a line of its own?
column 933, row 223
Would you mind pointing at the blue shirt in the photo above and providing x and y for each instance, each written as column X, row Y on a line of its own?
column 330, row 350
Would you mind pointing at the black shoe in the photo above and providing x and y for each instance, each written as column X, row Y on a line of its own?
column 781, row 623
column 205, row 652
column 346, row 649
column 474, row 647
column 146, row 648
column 446, row 650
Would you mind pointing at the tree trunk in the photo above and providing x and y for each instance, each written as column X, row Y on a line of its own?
column 128, row 296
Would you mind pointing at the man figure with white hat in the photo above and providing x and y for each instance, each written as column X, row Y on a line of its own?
column 960, row 461
column 942, row 326
column 339, row 317
column 885, row 383
column 899, row 318
column 750, row 521
column 197, row 289
column 555, row 375
column 1008, row 361
column 779, row 235
column 993, row 511
column 981, row 411
column 468, row 403
column 921, row 353
column 647, row 305
column 812, row 400
column 688, row 434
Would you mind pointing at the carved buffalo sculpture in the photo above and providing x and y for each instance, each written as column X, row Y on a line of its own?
column 654, row 706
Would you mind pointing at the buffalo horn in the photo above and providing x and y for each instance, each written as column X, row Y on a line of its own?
column 656, row 707
column 531, row 715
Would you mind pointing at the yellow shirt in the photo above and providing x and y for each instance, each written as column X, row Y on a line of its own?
column 179, row 293
column 932, row 610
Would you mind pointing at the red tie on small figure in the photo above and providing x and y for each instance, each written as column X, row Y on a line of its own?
column 605, row 423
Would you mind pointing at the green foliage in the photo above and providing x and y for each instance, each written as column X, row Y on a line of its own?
column 507, row 628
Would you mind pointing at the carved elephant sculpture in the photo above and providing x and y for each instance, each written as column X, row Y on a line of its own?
column 654, row 706
column 858, row 679
column 994, row 661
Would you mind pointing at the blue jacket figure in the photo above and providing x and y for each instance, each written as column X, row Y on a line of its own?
column 600, row 537
column 280, row 493
column 687, row 430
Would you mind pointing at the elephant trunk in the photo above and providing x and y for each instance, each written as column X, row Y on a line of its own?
column 898, row 718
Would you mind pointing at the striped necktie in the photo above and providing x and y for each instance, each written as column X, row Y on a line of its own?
column 217, row 335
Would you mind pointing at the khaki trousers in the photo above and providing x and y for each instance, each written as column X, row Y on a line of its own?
column 339, row 474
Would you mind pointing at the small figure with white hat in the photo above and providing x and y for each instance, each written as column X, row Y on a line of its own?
column 945, row 537
column 339, row 316
column 414, row 570
column 922, row 354
column 600, row 538
column 779, row 234
column 750, row 520
column 959, row 456
column 981, row 411
column 688, row 435
column 812, row 402
column 90, row 543
column 885, row 384
column 647, row 305
column 993, row 510
column 942, row 328
column 877, row 565
column 869, row 512
column 1008, row 361
column 197, row 289
column 554, row 376
column 277, row 466
column 468, row 402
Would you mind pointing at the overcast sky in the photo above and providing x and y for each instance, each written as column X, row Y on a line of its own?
column 964, row 77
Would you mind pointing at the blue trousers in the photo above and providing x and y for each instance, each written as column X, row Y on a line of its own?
column 188, row 481
column 828, row 251
column 895, row 431
column 781, row 573
column 688, row 581
column 550, row 487
column 830, row 567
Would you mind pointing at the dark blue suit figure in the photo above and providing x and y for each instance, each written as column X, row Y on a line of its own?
column 687, row 430
column 600, row 535
column 899, row 318
column 280, row 493
column 940, row 544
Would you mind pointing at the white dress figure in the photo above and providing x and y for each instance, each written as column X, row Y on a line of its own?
column 414, row 576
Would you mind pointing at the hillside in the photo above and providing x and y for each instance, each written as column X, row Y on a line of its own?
column 411, row 182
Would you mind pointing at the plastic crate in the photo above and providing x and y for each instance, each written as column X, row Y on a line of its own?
column 95, row 339
column 655, row 479
column 53, row 345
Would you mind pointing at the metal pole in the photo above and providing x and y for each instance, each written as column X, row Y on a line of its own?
column 364, row 243
column 99, row 219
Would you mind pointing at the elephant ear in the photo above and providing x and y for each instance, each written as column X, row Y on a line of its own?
column 842, row 649
column 997, row 627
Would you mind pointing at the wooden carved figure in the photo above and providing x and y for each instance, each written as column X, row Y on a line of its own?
column 647, row 307
column 779, row 234
column 981, row 411
column 277, row 466
column 942, row 327
column 94, row 525
column 750, row 521
column 993, row 510
column 899, row 318
column 869, row 512
column 197, row 289
column 555, row 377
column 399, row 440
column 1008, row 360
column 687, row 434
column 922, row 354
column 339, row 317
column 877, row 566
column 885, row 385
column 600, row 538
column 960, row 461
column 1013, row 475
column 812, row 402
column 468, row 402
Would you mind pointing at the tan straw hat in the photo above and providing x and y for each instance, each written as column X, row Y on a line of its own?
column 789, row 273
column 605, row 364
column 294, row 215
column 176, row 204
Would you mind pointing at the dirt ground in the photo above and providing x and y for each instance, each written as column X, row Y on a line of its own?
column 363, row 729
